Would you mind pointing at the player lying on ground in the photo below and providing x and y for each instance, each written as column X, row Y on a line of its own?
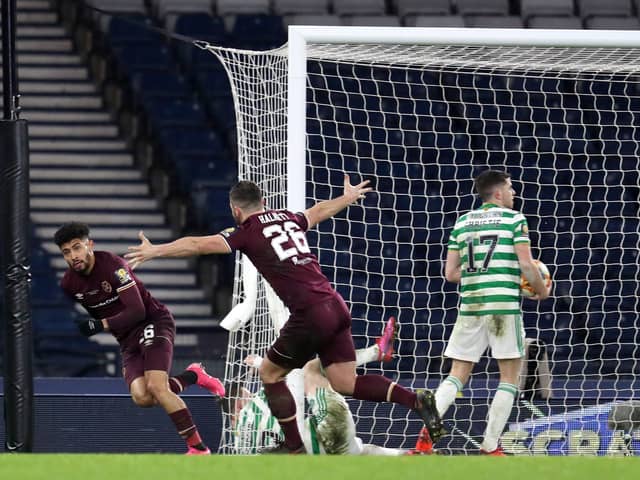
column 145, row 330
column 329, row 429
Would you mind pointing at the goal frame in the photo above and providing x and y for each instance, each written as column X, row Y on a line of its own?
column 300, row 36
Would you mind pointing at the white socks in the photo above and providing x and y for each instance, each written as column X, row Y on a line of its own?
column 366, row 355
column 498, row 415
column 446, row 393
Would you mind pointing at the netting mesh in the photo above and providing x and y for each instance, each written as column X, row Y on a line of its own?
column 421, row 122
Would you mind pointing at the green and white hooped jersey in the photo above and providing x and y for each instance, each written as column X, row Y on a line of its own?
column 485, row 238
column 257, row 428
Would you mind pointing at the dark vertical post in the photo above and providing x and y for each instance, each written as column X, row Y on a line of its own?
column 9, row 70
column 14, row 254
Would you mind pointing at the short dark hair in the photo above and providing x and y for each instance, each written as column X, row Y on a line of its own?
column 69, row 231
column 488, row 180
column 246, row 194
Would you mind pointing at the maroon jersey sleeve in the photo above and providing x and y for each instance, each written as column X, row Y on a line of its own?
column 123, row 282
column 122, row 277
column 301, row 218
column 234, row 238
column 133, row 310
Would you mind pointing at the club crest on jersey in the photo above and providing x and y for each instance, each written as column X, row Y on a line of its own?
column 123, row 275
column 106, row 286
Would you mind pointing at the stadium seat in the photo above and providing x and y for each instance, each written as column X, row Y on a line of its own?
column 434, row 21
column 234, row 7
column 118, row 6
column 371, row 21
column 301, row 7
column 558, row 8
column 162, row 8
column 45, row 291
column 359, row 7
column 567, row 23
column 483, row 7
column 158, row 84
column 142, row 58
column 201, row 168
column 612, row 23
column 52, row 319
column 40, row 261
column 303, row 19
column 618, row 8
column 493, row 21
column 259, row 32
column 179, row 111
column 213, row 83
column 419, row 7
column 132, row 29
column 203, row 27
column 190, row 140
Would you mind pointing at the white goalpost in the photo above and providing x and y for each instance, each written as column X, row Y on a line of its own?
column 420, row 112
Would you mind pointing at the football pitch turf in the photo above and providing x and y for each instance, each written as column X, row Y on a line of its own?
column 160, row 467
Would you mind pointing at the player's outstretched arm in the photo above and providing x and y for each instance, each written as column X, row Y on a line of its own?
column 182, row 247
column 328, row 208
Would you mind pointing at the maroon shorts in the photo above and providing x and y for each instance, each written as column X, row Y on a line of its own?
column 149, row 347
column 323, row 329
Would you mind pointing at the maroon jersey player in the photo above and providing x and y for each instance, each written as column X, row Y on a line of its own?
column 118, row 302
column 319, row 322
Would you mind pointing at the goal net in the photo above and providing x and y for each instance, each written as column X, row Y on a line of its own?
column 420, row 116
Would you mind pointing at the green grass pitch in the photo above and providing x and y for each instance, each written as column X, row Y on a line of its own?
column 219, row 467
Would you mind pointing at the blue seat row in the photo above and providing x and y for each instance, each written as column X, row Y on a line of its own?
column 422, row 135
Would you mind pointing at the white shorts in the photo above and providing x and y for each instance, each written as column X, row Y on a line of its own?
column 473, row 334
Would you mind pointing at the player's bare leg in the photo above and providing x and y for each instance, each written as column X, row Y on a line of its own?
column 282, row 406
column 140, row 395
column 377, row 388
column 157, row 383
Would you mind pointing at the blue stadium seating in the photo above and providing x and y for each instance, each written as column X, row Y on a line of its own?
column 128, row 29
column 258, row 32
column 551, row 128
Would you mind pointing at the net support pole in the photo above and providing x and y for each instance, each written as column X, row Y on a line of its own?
column 14, row 252
column 18, row 338
column 296, row 122
column 296, row 168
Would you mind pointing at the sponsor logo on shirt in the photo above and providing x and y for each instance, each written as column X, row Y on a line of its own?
column 108, row 301
column 303, row 261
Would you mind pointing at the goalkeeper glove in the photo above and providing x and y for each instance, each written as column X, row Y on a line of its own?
column 90, row 327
